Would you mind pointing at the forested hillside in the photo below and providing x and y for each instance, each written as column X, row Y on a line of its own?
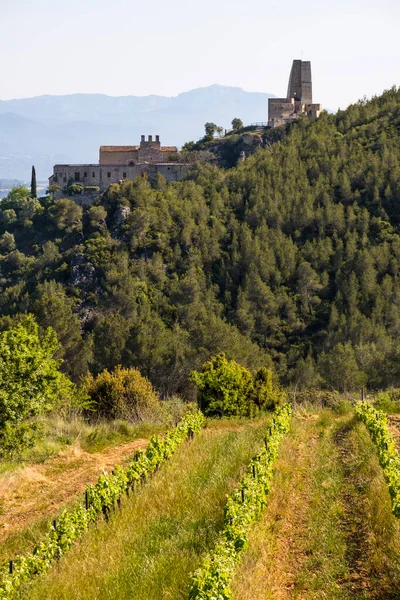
column 293, row 258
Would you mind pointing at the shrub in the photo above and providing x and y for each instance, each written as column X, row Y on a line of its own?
column 30, row 382
column 225, row 387
column 74, row 188
column 123, row 394
column 319, row 398
column 266, row 395
column 388, row 401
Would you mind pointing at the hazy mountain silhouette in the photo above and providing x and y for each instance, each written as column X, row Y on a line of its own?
column 49, row 129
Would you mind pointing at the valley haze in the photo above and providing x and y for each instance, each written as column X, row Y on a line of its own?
column 46, row 130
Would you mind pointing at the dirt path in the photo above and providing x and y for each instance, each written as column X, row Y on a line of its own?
column 328, row 532
column 358, row 580
column 41, row 490
column 370, row 530
column 276, row 550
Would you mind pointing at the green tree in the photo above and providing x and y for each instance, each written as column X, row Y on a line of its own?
column 17, row 193
column 266, row 394
column 33, row 183
column 7, row 242
column 54, row 309
column 30, row 382
column 97, row 216
column 224, row 387
column 210, row 129
column 237, row 124
column 340, row 370
column 8, row 216
column 67, row 215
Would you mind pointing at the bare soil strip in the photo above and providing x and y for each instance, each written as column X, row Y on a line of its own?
column 371, row 532
column 276, row 549
column 328, row 532
column 353, row 524
column 38, row 491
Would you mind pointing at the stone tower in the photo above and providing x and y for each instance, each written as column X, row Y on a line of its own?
column 298, row 100
column 300, row 84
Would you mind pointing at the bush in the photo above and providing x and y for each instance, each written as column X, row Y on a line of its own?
column 266, row 395
column 225, row 387
column 123, row 394
column 30, row 382
column 388, row 401
column 319, row 398
column 74, row 188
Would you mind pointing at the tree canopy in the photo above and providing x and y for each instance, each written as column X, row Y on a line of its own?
column 290, row 260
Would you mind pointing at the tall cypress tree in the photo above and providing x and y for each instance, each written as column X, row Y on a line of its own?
column 33, row 183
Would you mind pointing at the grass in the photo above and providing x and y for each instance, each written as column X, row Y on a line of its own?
column 59, row 433
column 149, row 549
column 328, row 532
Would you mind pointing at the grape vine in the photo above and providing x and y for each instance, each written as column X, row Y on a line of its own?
column 212, row 580
column 389, row 458
column 100, row 498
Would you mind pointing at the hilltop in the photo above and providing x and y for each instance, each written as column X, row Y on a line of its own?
column 292, row 258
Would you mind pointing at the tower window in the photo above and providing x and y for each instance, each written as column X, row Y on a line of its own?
column 93, row 174
column 124, row 175
column 108, row 174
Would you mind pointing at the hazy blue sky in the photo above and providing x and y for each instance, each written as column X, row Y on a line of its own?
column 121, row 47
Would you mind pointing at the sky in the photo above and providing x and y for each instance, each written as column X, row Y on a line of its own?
column 126, row 47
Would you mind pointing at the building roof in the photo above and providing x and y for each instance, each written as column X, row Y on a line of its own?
column 134, row 148
column 118, row 148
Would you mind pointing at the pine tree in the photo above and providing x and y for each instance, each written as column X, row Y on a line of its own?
column 33, row 183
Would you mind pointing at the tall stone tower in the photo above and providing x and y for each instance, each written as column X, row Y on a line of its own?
column 300, row 83
column 298, row 100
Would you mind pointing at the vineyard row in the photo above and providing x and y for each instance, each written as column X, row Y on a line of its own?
column 212, row 580
column 101, row 498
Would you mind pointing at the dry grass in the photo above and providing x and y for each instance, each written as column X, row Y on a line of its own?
column 149, row 549
column 38, row 492
column 328, row 532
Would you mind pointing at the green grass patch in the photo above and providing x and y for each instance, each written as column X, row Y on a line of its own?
column 149, row 549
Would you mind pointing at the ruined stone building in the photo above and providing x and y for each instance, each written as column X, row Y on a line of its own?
column 298, row 100
column 123, row 162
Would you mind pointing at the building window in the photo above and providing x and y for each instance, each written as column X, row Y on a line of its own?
column 108, row 174
column 124, row 175
column 85, row 174
column 93, row 174
column 77, row 176
column 55, row 178
column 64, row 179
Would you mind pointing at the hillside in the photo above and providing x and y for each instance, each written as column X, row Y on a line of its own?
column 291, row 258
column 54, row 129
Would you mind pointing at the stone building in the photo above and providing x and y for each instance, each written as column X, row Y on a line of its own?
column 298, row 100
column 123, row 162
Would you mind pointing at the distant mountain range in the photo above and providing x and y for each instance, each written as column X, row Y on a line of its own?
column 55, row 129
